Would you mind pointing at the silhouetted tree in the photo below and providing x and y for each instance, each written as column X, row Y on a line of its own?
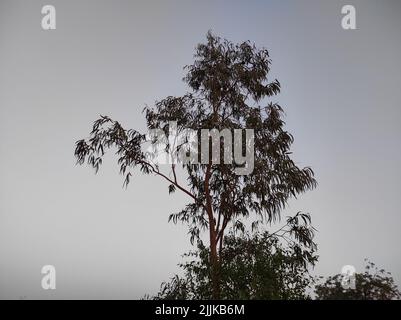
column 229, row 88
column 254, row 266
column 373, row 284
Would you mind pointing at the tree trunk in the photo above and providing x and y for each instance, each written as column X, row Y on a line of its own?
column 215, row 266
column 214, row 258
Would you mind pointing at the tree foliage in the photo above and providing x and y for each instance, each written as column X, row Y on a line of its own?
column 254, row 266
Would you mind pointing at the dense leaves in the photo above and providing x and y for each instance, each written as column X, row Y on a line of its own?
column 254, row 266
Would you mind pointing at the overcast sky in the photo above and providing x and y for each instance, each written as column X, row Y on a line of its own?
column 340, row 91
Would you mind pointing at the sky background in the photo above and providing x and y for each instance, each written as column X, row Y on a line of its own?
column 340, row 91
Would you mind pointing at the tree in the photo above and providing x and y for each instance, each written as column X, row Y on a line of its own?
column 254, row 266
column 228, row 89
column 373, row 284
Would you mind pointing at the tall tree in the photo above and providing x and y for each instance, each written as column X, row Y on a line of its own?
column 229, row 89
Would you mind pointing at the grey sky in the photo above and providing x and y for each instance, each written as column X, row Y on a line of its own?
column 340, row 90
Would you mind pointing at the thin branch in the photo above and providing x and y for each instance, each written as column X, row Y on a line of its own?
column 175, row 176
column 156, row 171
